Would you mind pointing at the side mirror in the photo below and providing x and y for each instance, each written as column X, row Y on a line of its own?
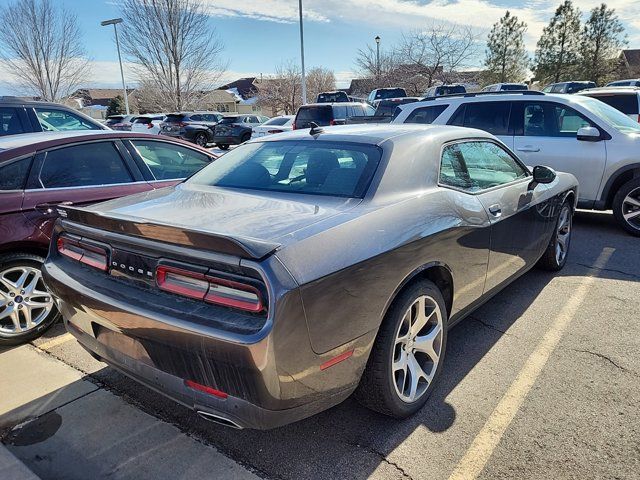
column 542, row 174
column 588, row 134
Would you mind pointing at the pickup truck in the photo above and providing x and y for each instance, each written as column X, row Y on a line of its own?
column 384, row 111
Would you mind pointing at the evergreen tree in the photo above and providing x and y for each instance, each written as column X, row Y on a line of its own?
column 602, row 38
column 507, row 59
column 116, row 106
column 558, row 50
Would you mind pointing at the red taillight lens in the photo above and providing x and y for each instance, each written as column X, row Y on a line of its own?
column 149, row 125
column 205, row 389
column 332, row 122
column 293, row 126
column 91, row 255
column 215, row 290
column 275, row 131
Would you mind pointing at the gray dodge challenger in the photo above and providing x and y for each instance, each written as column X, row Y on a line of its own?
column 304, row 267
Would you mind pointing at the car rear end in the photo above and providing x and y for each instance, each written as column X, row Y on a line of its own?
column 624, row 99
column 321, row 114
column 174, row 125
column 147, row 124
column 119, row 122
column 230, row 131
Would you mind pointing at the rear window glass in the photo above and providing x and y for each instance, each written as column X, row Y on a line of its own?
column 174, row 118
column 320, row 115
column 390, row 93
column 451, row 90
column 333, row 97
column 626, row 103
column 425, row 114
column 277, row 121
column 318, row 168
column 513, row 87
column 229, row 120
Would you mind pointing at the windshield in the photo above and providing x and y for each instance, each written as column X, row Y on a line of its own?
column 613, row 117
column 316, row 168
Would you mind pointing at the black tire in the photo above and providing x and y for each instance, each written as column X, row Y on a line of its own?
column 245, row 138
column 201, row 139
column 377, row 390
column 632, row 188
column 223, row 146
column 550, row 259
column 25, row 260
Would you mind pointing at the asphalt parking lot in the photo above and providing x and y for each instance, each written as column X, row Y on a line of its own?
column 543, row 381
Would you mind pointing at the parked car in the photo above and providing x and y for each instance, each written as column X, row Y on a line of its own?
column 332, row 97
column 568, row 87
column 505, row 87
column 325, row 114
column 39, row 171
column 573, row 133
column 236, row 129
column 625, row 99
column 22, row 116
column 632, row 82
column 444, row 90
column 383, row 112
column 175, row 291
column 148, row 123
column 282, row 123
column 122, row 123
column 384, row 93
column 196, row 127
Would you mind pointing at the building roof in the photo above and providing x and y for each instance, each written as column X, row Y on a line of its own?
column 98, row 96
column 245, row 86
column 632, row 57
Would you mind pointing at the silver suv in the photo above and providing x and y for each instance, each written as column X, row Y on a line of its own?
column 572, row 133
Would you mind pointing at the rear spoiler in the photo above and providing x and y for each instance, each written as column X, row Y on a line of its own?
column 244, row 247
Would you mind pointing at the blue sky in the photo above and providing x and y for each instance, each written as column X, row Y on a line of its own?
column 260, row 34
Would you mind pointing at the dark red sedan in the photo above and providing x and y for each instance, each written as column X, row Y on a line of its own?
column 41, row 170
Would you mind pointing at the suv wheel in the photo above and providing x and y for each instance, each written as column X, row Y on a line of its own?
column 201, row 139
column 223, row 146
column 407, row 356
column 245, row 138
column 626, row 206
column 26, row 308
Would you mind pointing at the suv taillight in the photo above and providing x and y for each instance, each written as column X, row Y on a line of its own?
column 332, row 122
column 91, row 255
column 211, row 289
column 293, row 126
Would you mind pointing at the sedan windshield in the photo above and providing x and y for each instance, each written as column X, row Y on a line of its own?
column 613, row 117
column 317, row 168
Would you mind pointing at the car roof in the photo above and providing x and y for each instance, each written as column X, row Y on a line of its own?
column 331, row 104
column 376, row 134
column 9, row 100
column 613, row 89
column 12, row 146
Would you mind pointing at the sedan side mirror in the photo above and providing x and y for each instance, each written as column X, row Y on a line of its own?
column 542, row 174
column 588, row 134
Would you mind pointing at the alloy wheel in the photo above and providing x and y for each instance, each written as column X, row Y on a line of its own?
column 417, row 348
column 24, row 300
column 563, row 234
column 631, row 208
column 201, row 140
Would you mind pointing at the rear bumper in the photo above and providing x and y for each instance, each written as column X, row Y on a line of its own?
column 227, row 140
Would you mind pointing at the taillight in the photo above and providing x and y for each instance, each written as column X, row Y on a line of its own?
column 332, row 122
column 275, row 131
column 293, row 126
column 91, row 255
column 149, row 125
column 200, row 286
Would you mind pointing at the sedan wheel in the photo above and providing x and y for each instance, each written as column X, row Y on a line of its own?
column 26, row 308
column 416, row 352
column 555, row 256
column 406, row 358
column 626, row 206
column 201, row 139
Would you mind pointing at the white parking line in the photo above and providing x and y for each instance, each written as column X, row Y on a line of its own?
column 486, row 441
column 54, row 342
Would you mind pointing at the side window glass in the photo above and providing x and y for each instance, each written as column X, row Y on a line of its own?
column 453, row 171
column 167, row 161
column 14, row 175
column 458, row 118
column 196, row 118
column 489, row 165
column 84, row 165
column 536, row 123
column 567, row 121
column 53, row 120
column 492, row 117
column 425, row 114
column 10, row 123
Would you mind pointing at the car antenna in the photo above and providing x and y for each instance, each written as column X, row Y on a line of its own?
column 315, row 129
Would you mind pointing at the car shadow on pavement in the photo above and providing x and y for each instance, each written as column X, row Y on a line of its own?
column 349, row 441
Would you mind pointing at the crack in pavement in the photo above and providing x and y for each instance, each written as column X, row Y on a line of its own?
column 591, row 267
column 381, row 456
column 491, row 327
column 608, row 359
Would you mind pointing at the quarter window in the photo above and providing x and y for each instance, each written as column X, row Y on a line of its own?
column 425, row 114
column 14, row 175
column 10, row 123
column 478, row 165
column 168, row 161
column 54, row 120
column 492, row 117
column 84, row 165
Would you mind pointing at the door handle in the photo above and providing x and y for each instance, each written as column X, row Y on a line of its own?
column 528, row 148
column 49, row 208
column 495, row 210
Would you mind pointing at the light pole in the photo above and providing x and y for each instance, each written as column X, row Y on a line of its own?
column 114, row 22
column 377, row 39
column 304, row 81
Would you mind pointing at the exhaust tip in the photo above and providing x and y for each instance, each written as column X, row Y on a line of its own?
column 218, row 419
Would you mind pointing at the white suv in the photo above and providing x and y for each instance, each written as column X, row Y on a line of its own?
column 575, row 134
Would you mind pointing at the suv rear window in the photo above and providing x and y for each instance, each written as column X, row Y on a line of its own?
column 173, row 118
column 313, row 168
column 425, row 114
column 627, row 103
column 390, row 93
column 332, row 97
column 321, row 115
column 451, row 90
column 229, row 120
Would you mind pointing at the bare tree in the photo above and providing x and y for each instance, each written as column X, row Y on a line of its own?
column 319, row 80
column 377, row 76
column 42, row 48
column 281, row 92
column 174, row 49
column 438, row 52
